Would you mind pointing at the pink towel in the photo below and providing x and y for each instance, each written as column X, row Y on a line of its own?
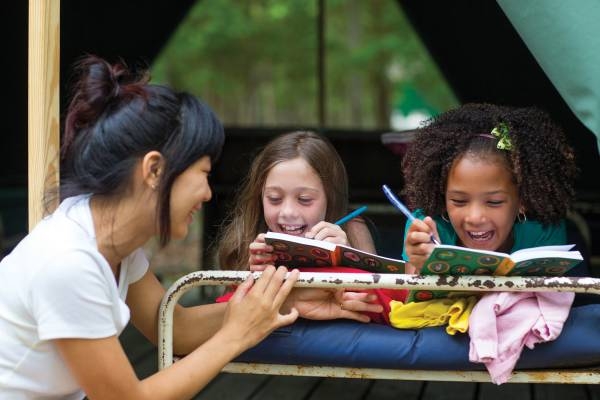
column 502, row 323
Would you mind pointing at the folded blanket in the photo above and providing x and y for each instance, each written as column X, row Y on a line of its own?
column 501, row 324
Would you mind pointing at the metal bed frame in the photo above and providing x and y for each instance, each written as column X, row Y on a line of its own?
column 388, row 281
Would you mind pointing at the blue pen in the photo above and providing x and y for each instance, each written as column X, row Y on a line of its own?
column 398, row 204
column 353, row 214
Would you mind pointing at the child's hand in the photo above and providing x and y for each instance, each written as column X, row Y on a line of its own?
column 328, row 232
column 418, row 245
column 261, row 254
column 323, row 304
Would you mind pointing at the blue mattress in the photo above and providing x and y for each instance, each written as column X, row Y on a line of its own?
column 352, row 344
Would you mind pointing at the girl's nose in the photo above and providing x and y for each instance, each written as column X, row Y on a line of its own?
column 288, row 209
column 475, row 215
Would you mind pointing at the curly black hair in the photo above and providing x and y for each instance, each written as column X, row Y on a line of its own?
column 541, row 160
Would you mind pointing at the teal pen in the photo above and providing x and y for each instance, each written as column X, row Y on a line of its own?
column 400, row 206
column 353, row 214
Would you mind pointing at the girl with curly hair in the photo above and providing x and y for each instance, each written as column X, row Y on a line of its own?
column 488, row 177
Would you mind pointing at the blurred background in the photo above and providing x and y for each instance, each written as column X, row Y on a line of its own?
column 362, row 73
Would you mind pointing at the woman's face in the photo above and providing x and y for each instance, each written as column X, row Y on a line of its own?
column 293, row 197
column 189, row 191
column 482, row 203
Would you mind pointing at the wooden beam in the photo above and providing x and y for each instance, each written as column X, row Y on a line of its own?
column 43, row 103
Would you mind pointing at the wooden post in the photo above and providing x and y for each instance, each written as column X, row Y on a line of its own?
column 43, row 102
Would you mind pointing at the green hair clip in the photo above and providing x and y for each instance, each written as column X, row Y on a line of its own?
column 501, row 132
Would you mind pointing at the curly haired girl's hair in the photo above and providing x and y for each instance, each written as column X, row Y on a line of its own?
column 540, row 159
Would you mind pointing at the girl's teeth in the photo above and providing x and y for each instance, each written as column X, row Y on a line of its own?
column 480, row 235
column 291, row 229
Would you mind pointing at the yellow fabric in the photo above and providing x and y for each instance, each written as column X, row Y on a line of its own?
column 452, row 311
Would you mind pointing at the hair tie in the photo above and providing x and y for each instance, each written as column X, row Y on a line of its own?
column 501, row 132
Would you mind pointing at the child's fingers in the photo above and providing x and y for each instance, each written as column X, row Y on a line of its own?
column 360, row 317
column 362, row 296
column 352, row 304
column 259, row 267
column 354, row 315
column 432, row 227
column 286, row 319
column 360, row 306
column 260, row 248
column 257, row 259
column 316, row 229
column 328, row 232
column 421, row 231
column 260, row 253
column 360, row 302
column 420, row 226
column 418, row 244
column 417, row 238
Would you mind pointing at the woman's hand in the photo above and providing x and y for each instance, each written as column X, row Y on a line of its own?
column 323, row 304
column 254, row 309
column 261, row 254
column 418, row 245
column 328, row 232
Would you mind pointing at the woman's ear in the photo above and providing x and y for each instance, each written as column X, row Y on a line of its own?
column 152, row 168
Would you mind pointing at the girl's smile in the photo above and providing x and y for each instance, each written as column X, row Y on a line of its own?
column 482, row 201
column 293, row 198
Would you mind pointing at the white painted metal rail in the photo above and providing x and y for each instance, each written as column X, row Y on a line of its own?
column 378, row 281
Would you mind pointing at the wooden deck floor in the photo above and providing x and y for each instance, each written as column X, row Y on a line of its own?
column 228, row 386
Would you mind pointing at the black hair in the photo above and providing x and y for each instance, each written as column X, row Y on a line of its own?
column 541, row 161
column 115, row 117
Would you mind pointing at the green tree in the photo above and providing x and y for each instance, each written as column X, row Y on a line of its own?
column 255, row 62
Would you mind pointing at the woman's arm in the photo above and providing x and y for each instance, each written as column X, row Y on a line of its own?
column 192, row 326
column 252, row 313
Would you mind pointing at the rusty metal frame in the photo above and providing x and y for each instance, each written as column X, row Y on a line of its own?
column 388, row 281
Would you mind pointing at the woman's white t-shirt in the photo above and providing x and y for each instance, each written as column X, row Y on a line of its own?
column 55, row 284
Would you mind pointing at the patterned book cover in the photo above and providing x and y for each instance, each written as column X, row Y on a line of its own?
column 297, row 252
column 456, row 260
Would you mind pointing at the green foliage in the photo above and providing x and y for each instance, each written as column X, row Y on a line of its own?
column 255, row 62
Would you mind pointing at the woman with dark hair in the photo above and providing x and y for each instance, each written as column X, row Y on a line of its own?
column 136, row 159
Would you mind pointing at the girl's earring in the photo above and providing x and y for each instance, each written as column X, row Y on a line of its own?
column 521, row 217
column 153, row 186
column 445, row 216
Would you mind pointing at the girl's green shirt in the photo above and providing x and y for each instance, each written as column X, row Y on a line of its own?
column 526, row 234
